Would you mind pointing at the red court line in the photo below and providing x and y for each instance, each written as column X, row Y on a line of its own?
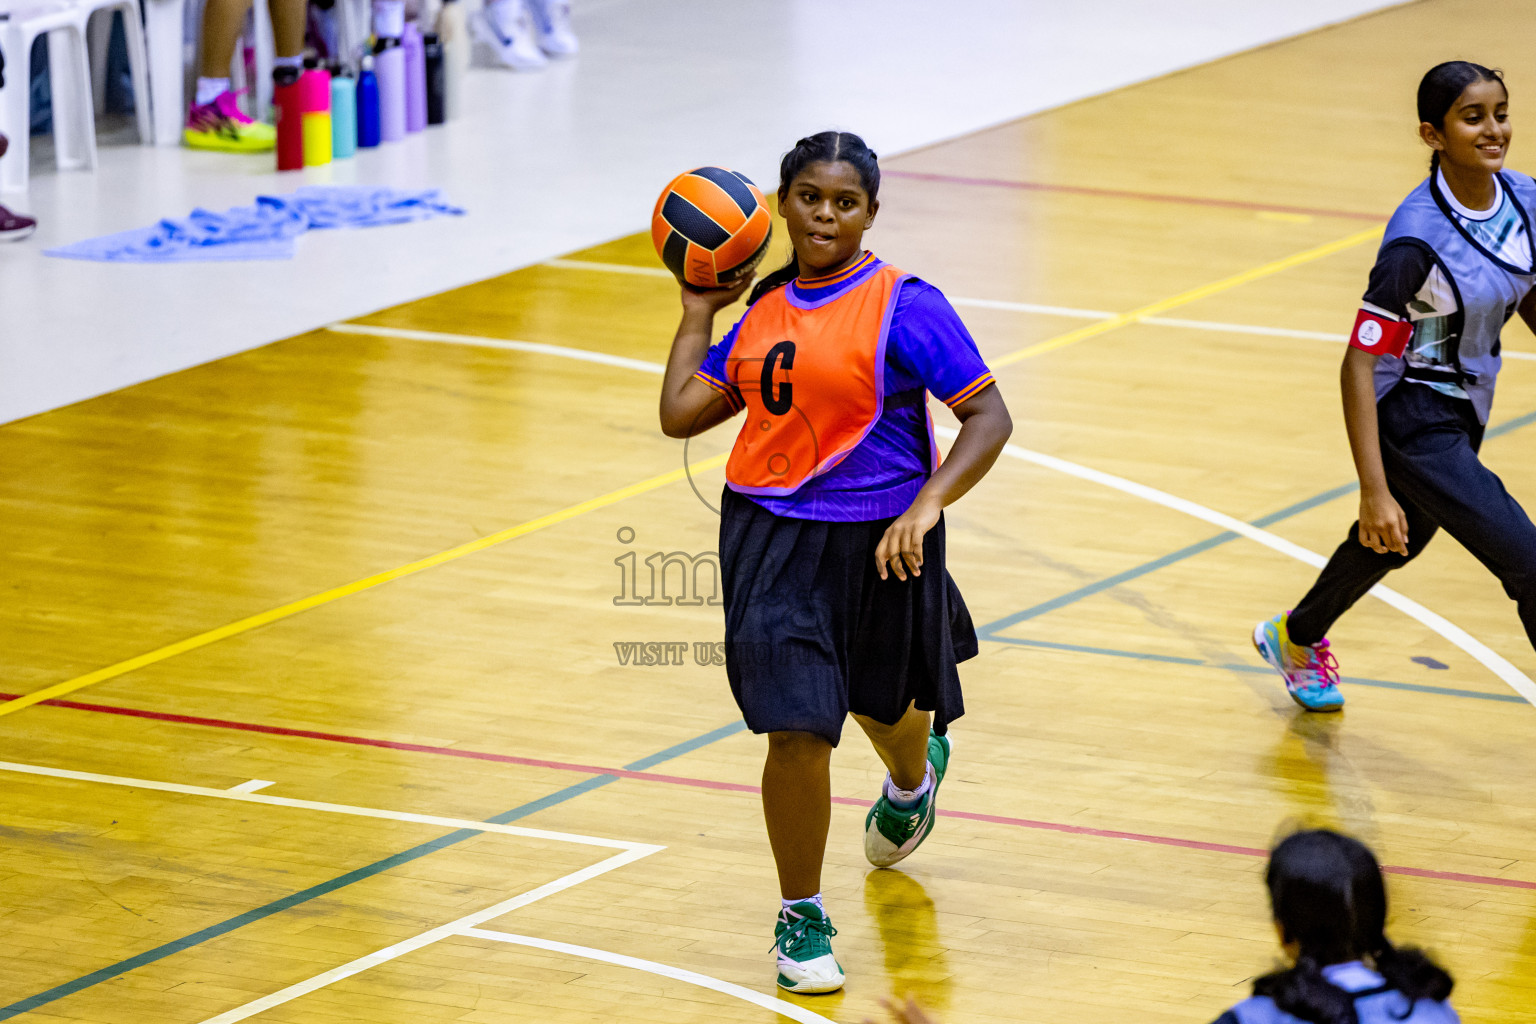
column 364, row 741
column 734, row 787
column 1150, row 197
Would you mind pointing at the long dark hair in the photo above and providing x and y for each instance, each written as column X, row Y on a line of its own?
column 1441, row 85
column 1328, row 896
column 823, row 146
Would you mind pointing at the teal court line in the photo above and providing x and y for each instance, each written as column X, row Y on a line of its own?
column 1387, row 684
column 987, row 632
column 991, row 630
column 368, row 871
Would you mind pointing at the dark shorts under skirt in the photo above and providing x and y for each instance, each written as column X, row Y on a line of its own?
column 812, row 632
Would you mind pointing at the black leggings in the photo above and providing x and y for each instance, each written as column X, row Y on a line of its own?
column 1429, row 444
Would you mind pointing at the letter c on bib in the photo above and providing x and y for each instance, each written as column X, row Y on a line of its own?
column 778, row 401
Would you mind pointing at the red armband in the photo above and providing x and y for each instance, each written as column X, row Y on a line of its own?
column 1380, row 335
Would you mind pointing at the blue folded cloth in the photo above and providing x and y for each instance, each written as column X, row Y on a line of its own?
column 265, row 231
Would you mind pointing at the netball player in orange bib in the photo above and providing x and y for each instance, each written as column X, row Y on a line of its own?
column 837, row 599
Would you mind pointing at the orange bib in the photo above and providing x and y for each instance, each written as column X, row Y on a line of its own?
column 813, row 378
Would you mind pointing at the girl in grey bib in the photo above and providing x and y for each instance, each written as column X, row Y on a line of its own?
column 1330, row 907
column 1455, row 264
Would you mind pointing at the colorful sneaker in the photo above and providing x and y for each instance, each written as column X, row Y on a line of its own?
column 507, row 28
column 552, row 24
column 890, row 832
column 223, row 126
column 803, row 940
column 1311, row 674
column 13, row 226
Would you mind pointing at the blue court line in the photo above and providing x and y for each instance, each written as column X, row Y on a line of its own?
column 987, row 632
column 357, row 875
column 1508, row 425
column 1386, row 684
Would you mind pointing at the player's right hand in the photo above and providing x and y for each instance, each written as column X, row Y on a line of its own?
column 712, row 300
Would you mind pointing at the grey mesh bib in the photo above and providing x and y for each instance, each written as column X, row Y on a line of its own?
column 1486, row 289
column 1374, row 1003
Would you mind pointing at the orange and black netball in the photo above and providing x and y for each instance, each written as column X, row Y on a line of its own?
column 711, row 227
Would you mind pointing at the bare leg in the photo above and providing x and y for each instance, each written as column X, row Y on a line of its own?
column 222, row 21
column 797, row 804
column 288, row 26
column 903, row 746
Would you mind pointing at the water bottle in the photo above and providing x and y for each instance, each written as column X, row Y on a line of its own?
column 389, row 65
column 367, row 106
column 453, row 30
column 437, row 77
column 315, row 94
column 343, row 114
column 415, row 79
column 287, row 101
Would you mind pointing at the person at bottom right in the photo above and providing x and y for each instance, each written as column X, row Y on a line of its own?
column 1329, row 902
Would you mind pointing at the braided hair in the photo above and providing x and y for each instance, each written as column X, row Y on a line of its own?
column 829, row 147
column 1328, row 897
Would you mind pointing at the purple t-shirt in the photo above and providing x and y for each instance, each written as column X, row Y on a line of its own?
column 927, row 348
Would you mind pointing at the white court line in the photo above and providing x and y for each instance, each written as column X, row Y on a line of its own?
column 249, row 787
column 779, row 1006
column 585, row 355
column 1213, row 325
column 1491, row 659
column 328, row 808
column 426, row 938
column 1027, row 307
column 1032, row 307
column 611, row 268
column 589, row 356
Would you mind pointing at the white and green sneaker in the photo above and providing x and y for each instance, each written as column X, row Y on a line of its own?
column 890, row 833
column 803, row 940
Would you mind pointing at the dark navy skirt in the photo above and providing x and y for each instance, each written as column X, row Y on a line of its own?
column 812, row 632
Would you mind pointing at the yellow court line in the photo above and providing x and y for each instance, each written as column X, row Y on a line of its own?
column 357, row 586
column 1184, row 298
column 346, row 590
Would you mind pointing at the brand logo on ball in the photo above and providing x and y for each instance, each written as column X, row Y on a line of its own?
column 1369, row 333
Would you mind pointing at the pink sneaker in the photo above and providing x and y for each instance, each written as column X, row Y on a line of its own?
column 223, row 126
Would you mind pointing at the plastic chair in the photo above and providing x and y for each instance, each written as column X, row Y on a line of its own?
column 74, row 123
column 167, row 68
column 98, row 38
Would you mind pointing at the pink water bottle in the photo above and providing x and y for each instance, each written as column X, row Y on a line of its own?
column 415, row 79
column 315, row 101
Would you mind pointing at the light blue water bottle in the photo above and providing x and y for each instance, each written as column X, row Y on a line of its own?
column 343, row 113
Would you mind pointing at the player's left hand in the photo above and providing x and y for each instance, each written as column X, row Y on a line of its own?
column 901, row 549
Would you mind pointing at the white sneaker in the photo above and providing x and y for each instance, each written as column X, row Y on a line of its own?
column 506, row 27
column 552, row 22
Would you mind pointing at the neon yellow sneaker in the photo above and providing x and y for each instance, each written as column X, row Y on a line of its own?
column 223, row 126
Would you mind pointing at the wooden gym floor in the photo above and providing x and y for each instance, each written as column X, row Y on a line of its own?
column 323, row 645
